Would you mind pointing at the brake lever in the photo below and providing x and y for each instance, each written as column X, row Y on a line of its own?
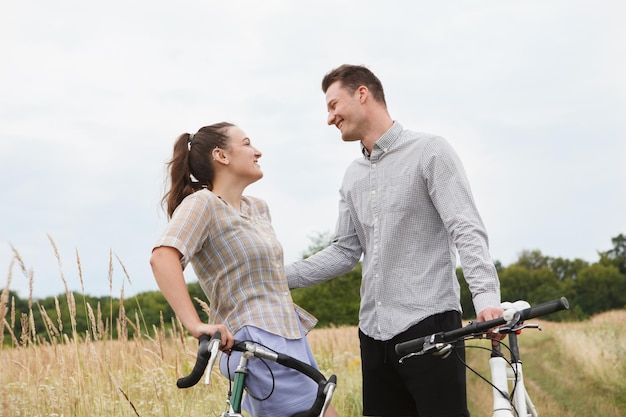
column 511, row 324
column 213, row 348
column 329, row 390
column 436, row 348
column 526, row 326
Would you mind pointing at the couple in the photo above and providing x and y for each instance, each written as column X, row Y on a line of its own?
column 405, row 205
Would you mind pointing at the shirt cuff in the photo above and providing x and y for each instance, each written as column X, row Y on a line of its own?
column 292, row 276
column 484, row 300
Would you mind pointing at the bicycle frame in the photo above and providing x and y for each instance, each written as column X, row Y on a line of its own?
column 239, row 383
column 507, row 377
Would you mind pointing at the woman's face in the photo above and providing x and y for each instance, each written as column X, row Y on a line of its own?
column 243, row 158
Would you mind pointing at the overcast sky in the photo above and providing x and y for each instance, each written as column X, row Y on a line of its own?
column 531, row 94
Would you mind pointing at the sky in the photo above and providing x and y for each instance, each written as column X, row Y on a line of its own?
column 531, row 94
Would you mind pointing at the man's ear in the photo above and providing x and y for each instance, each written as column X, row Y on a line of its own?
column 362, row 93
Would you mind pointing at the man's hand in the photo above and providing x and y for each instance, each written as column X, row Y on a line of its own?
column 491, row 313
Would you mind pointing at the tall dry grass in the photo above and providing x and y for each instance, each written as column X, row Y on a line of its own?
column 574, row 369
column 64, row 373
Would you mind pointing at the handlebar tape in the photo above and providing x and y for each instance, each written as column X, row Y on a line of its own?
column 543, row 309
column 316, row 408
column 305, row 368
column 204, row 354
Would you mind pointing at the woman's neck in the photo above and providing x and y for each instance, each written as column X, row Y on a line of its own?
column 229, row 195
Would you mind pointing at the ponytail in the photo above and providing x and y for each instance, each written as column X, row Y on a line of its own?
column 179, row 175
column 190, row 168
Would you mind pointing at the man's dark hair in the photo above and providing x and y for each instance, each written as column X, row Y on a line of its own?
column 354, row 76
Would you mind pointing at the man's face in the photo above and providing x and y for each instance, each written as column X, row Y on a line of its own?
column 344, row 111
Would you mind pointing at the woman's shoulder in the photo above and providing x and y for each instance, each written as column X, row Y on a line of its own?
column 202, row 197
column 257, row 205
column 255, row 201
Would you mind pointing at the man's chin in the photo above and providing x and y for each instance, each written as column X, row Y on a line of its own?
column 348, row 138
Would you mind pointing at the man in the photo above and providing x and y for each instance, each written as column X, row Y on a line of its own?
column 407, row 207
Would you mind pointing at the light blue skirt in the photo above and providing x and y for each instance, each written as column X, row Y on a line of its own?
column 293, row 391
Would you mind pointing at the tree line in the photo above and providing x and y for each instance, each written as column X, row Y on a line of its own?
column 591, row 288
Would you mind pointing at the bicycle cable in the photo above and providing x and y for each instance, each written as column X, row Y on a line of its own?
column 230, row 380
column 509, row 398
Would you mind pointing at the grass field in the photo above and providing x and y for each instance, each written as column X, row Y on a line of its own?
column 574, row 369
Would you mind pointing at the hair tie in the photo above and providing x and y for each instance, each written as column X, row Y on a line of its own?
column 189, row 140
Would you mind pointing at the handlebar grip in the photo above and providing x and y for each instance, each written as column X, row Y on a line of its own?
column 548, row 307
column 204, row 354
column 409, row 346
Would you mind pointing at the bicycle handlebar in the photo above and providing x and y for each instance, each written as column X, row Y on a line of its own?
column 416, row 345
column 206, row 350
column 207, row 353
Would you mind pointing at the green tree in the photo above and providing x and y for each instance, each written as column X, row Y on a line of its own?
column 617, row 255
column 600, row 288
column 565, row 269
column 532, row 260
column 334, row 302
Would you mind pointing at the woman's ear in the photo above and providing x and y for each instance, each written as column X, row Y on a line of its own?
column 218, row 155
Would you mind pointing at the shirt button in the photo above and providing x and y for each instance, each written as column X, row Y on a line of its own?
column 373, row 192
column 374, row 165
column 376, row 276
column 378, row 303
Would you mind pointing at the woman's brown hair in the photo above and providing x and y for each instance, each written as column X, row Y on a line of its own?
column 191, row 167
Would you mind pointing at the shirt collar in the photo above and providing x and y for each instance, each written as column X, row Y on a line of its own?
column 386, row 141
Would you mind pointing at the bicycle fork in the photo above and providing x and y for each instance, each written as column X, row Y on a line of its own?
column 503, row 374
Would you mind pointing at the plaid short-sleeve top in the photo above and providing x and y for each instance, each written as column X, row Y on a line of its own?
column 238, row 261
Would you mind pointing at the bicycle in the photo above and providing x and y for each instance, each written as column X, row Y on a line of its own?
column 510, row 398
column 207, row 354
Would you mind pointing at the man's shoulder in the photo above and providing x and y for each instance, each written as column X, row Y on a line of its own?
column 412, row 135
column 423, row 140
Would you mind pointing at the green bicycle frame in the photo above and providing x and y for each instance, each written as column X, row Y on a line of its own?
column 239, row 383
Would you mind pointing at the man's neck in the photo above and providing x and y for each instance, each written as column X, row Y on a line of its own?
column 377, row 129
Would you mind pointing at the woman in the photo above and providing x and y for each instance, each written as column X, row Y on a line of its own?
column 229, row 240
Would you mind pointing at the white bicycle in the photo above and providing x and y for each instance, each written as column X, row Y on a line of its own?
column 510, row 398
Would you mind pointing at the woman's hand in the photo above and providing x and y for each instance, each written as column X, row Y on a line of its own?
column 202, row 328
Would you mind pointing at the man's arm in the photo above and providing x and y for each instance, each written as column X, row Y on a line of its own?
column 337, row 259
column 452, row 196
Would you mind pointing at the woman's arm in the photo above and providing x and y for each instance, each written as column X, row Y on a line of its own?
column 168, row 273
